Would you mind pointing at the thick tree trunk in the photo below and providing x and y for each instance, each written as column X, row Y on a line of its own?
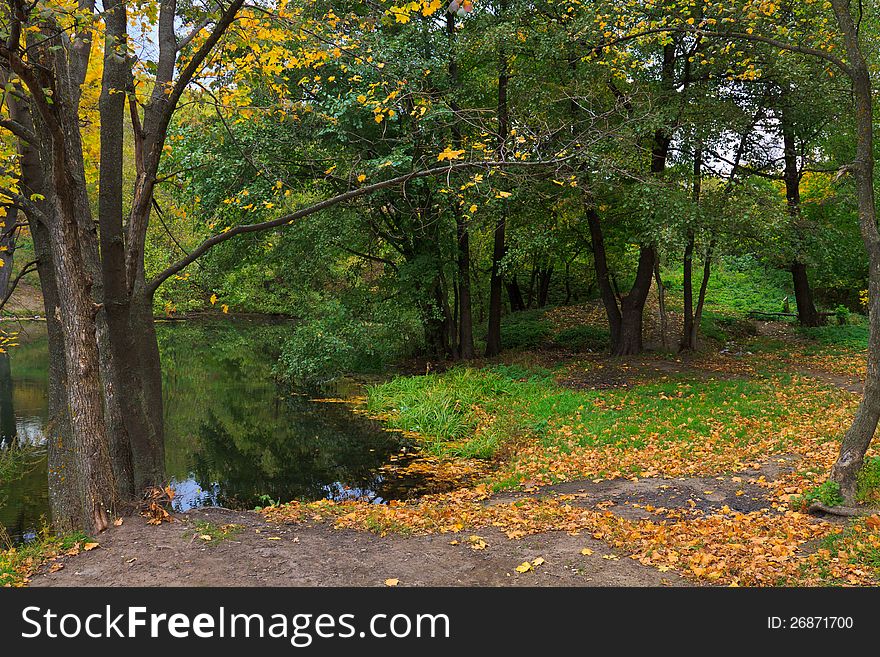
column 806, row 308
column 85, row 397
column 632, row 307
column 860, row 433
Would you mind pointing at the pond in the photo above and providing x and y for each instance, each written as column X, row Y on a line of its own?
column 234, row 437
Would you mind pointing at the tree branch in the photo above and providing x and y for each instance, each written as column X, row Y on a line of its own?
column 351, row 194
column 28, row 268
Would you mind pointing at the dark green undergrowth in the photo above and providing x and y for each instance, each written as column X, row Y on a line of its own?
column 852, row 336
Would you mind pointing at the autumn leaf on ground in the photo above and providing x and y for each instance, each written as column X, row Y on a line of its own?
column 88, row 547
column 205, row 537
column 586, row 552
column 477, row 543
column 117, row 522
column 392, row 581
column 537, row 562
column 524, row 567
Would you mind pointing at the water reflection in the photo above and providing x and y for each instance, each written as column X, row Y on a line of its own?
column 233, row 437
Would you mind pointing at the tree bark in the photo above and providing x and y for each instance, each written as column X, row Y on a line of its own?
column 465, row 349
column 493, row 334
column 806, row 308
column 860, row 433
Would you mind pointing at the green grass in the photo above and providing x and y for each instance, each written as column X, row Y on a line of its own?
column 475, row 412
column 736, row 287
column 211, row 534
column 847, row 336
column 18, row 563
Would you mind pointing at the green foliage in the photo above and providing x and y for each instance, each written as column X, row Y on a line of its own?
column 524, row 330
column 18, row 563
column 827, row 493
column 334, row 343
column 16, row 462
column 849, row 336
column 583, row 338
column 868, row 489
column 842, row 313
column 739, row 284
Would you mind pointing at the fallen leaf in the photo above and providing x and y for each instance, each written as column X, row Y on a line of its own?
column 392, row 582
column 89, row 546
column 524, row 567
column 538, row 561
column 586, row 552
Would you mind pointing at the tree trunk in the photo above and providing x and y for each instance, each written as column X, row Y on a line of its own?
column 514, row 295
column 493, row 334
column 687, row 330
column 860, row 433
column 603, row 278
column 465, row 349
column 465, row 319
column 632, row 307
column 806, row 308
column 661, row 304
column 803, row 295
column 544, row 276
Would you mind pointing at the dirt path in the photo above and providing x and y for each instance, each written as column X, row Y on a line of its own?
column 268, row 554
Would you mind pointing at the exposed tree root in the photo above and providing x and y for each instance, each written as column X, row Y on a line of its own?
column 845, row 511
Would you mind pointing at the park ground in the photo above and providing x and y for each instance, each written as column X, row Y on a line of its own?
column 562, row 465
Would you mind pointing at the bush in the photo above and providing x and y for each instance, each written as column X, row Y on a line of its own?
column 827, row 493
column 524, row 330
column 868, row 489
column 583, row 338
column 324, row 348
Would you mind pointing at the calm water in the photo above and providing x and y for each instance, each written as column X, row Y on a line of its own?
column 232, row 434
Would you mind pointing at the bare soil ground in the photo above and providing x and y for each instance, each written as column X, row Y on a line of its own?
column 268, row 554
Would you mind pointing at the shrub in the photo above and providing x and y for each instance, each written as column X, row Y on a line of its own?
column 324, row 348
column 868, row 489
column 827, row 493
column 524, row 330
column 583, row 338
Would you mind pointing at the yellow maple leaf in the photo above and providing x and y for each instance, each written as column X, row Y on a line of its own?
column 524, row 567
column 449, row 154
column 392, row 581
